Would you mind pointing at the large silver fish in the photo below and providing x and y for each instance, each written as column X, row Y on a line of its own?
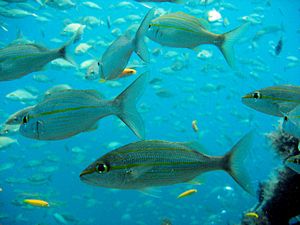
column 18, row 60
column 67, row 113
column 276, row 100
column 181, row 30
column 115, row 59
column 156, row 163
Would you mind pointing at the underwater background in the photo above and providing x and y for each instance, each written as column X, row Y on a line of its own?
column 182, row 87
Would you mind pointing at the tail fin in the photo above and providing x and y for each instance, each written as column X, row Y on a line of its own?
column 139, row 43
column 126, row 103
column 233, row 162
column 229, row 38
column 63, row 50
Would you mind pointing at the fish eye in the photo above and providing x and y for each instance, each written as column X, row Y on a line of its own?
column 101, row 168
column 98, row 63
column 285, row 118
column 25, row 119
column 256, row 95
column 149, row 25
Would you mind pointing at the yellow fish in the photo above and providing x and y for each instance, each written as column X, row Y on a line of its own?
column 36, row 202
column 252, row 215
column 187, row 193
column 126, row 72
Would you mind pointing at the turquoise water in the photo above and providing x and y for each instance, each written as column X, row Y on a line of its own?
column 206, row 90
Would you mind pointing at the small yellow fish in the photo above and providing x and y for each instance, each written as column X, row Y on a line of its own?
column 36, row 202
column 252, row 215
column 126, row 72
column 187, row 193
column 195, row 126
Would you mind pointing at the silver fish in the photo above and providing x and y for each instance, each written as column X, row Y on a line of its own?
column 156, row 163
column 181, row 30
column 18, row 60
column 67, row 113
column 117, row 55
column 276, row 100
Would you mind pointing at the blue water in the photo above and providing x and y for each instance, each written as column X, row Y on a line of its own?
column 222, row 119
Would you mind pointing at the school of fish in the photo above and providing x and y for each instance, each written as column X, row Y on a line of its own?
column 63, row 112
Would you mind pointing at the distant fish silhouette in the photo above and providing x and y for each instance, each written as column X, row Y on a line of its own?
column 278, row 47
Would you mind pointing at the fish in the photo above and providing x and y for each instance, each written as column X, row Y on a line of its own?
column 60, row 4
column 18, row 60
column 293, row 163
column 252, row 215
column 275, row 100
column 116, row 56
column 291, row 122
column 278, row 47
column 151, row 163
column 66, row 113
column 16, row 118
column 181, row 30
column 195, row 126
column 171, row 1
column 6, row 142
column 126, row 72
column 92, row 75
column 187, row 193
column 36, row 202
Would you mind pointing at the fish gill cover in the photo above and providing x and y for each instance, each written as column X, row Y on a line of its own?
column 110, row 110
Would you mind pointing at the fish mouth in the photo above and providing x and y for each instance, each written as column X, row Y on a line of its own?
column 85, row 172
column 247, row 96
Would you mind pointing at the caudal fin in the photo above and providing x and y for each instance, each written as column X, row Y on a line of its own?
column 233, row 162
column 229, row 39
column 64, row 49
column 139, row 43
column 126, row 104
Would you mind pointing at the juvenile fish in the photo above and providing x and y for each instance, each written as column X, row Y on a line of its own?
column 276, row 100
column 67, row 113
column 18, row 60
column 181, row 30
column 187, row 193
column 117, row 55
column 157, row 163
column 36, row 202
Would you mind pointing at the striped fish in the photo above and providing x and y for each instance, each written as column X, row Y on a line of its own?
column 181, row 30
column 18, row 60
column 276, row 100
column 156, row 163
column 66, row 113
column 115, row 58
